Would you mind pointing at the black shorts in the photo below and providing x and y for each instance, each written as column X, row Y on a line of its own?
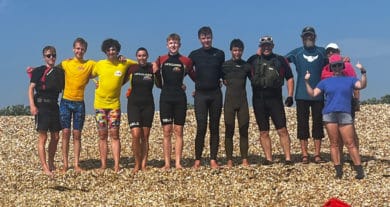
column 48, row 117
column 303, row 113
column 173, row 110
column 265, row 108
column 140, row 115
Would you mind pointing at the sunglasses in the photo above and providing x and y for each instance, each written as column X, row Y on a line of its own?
column 51, row 55
column 266, row 39
column 332, row 51
column 337, row 66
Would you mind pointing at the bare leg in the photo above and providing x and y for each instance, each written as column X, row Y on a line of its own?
column 167, row 146
column 116, row 147
column 77, row 150
column 333, row 133
column 65, row 148
column 145, row 146
column 305, row 154
column 54, row 138
column 42, row 154
column 347, row 133
column 265, row 142
column 317, row 146
column 285, row 142
column 136, row 134
column 178, row 145
column 103, row 148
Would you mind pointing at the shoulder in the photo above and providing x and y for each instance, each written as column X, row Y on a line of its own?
column 252, row 58
column 194, row 52
column 185, row 60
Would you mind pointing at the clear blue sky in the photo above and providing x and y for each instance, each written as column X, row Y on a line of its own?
column 361, row 28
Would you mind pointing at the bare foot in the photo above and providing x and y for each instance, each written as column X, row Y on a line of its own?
column 118, row 170
column 144, row 168
column 245, row 162
column 79, row 169
column 135, row 170
column 165, row 168
column 49, row 173
column 229, row 164
column 179, row 167
column 101, row 170
column 196, row 164
column 63, row 170
column 214, row 164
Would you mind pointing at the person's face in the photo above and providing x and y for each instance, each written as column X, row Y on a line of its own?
column 112, row 53
column 50, row 57
column 79, row 50
column 308, row 40
column 142, row 57
column 266, row 49
column 331, row 51
column 236, row 53
column 173, row 46
column 206, row 40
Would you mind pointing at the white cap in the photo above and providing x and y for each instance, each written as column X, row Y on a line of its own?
column 332, row 45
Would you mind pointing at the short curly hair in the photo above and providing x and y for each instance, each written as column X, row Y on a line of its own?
column 108, row 43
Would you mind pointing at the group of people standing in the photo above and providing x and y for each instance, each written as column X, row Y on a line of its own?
column 207, row 67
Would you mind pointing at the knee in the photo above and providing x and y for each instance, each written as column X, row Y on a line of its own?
column 282, row 132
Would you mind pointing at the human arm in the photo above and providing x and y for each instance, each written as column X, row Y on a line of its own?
column 312, row 92
column 33, row 108
column 362, row 83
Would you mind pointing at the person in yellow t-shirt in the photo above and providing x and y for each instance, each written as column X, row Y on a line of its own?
column 111, row 73
column 77, row 74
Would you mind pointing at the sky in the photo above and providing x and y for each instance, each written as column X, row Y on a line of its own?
column 358, row 27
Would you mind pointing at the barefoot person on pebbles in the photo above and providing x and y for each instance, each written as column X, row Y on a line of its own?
column 72, row 107
column 207, row 62
column 171, row 69
column 46, row 83
column 111, row 73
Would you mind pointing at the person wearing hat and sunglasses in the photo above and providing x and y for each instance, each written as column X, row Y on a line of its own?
column 333, row 49
column 313, row 58
column 337, row 117
column 268, row 73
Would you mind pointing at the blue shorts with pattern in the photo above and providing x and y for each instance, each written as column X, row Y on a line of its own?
column 72, row 109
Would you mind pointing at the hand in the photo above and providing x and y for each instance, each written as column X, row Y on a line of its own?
column 122, row 58
column 359, row 66
column 289, row 101
column 155, row 67
column 307, row 76
column 193, row 93
column 96, row 83
column 33, row 110
column 184, row 87
column 346, row 59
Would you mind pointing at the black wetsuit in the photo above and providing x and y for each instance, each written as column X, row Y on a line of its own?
column 173, row 100
column 234, row 74
column 140, row 104
column 208, row 97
